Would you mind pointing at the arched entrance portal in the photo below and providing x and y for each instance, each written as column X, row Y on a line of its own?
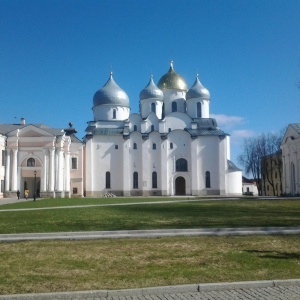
column 180, row 186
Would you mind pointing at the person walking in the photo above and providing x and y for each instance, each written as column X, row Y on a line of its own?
column 18, row 194
column 26, row 194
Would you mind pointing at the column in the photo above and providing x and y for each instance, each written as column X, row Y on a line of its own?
column 44, row 172
column 14, row 179
column 67, row 172
column 127, row 174
column 51, row 170
column 60, row 169
column 146, row 174
column 194, row 165
column 7, row 171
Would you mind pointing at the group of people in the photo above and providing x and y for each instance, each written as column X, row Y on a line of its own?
column 26, row 193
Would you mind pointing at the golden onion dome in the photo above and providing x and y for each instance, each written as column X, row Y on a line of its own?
column 172, row 81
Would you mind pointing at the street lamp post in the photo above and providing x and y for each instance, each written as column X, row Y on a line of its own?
column 34, row 192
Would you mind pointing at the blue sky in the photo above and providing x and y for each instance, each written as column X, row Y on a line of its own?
column 54, row 55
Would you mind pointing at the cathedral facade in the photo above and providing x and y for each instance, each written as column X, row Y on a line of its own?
column 172, row 147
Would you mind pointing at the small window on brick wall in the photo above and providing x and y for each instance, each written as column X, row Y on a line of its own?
column 75, row 190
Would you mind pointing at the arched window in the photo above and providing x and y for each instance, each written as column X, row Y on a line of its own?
column 134, row 128
column 207, row 179
column 107, row 180
column 199, row 113
column 31, row 162
column 114, row 113
column 174, row 106
column 134, row 146
column 135, row 180
column 181, row 165
column 154, row 146
column 169, row 129
column 154, row 180
column 152, row 127
column 153, row 107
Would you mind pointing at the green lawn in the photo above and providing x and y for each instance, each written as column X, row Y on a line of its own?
column 199, row 214
column 56, row 266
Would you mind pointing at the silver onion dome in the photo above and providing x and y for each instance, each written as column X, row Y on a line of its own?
column 151, row 91
column 197, row 91
column 111, row 94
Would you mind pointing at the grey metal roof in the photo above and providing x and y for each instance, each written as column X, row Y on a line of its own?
column 232, row 166
column 151, row 91
column 296, row 126
column 111, row 94
column 206, row 132
column 206, row 122
column 6, row 128
column 107, row 131
column 197, row 91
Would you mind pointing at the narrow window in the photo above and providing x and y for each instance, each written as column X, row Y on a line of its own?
column 107, row 180
column 171, row 145
column 2, row 186
column 152, row 127
column 116, row 147
column 135, row 180
column 174, row 106
column 207, row 179
column 114, row 113
column 170, row 129
column 154, row 180
column 134, row 128
column 181, row 165
column 74, row 163
column 153, row 107
column 154, row 146
column 31, row 162
column 199, row 113
column 3, row 157
column 134, row 146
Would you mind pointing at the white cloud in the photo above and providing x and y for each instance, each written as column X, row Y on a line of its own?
column 237, row 136
column 228, row 122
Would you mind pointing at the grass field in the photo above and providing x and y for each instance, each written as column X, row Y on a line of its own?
column 55, row 266
column 158, row 215
column 35, row 267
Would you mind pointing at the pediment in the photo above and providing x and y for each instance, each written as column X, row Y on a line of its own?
column 30, row 131
column 290, row 134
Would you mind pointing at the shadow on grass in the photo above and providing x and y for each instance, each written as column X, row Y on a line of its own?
column 274, row 254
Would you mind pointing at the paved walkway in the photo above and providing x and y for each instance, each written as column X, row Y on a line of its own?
column 255, row 290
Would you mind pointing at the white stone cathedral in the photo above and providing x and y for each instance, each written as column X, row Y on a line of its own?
column 172, row 147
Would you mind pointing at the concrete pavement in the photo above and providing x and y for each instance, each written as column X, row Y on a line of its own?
column 253, row 290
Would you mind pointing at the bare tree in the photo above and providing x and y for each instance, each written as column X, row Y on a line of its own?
column 262, row 158
column 251, row 160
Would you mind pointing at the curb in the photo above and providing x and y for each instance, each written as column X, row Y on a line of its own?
column 190, row 288
column 92, row 235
